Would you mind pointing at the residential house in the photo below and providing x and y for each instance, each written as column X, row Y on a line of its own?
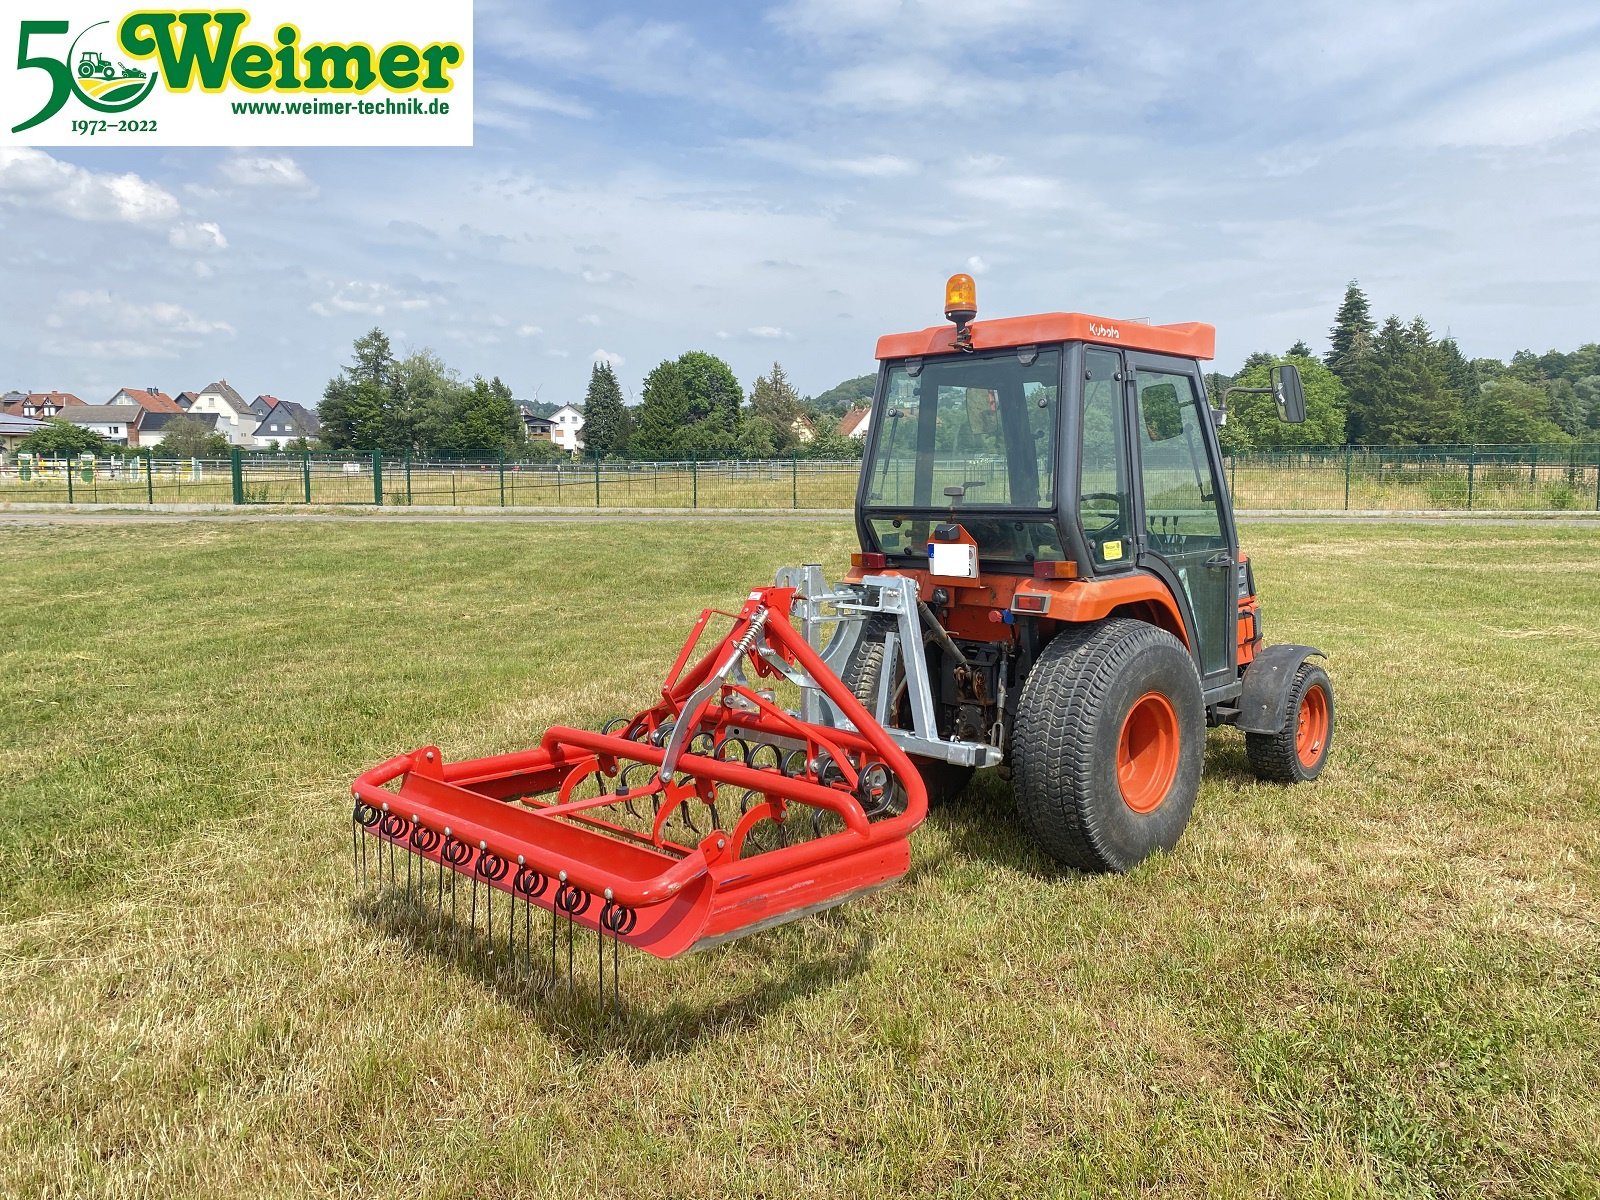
column 802, row 428
column 286, row 422
column 42, row 405
column 186, row 400
column 153, row 428
column 115, row 422
column 12, row 399
column 235, row 420
column 15, row 429
column 539, row 429
column 149, row 399
column 568, row 431
column 855, row 423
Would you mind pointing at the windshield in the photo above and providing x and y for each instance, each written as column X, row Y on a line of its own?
column 985, row 424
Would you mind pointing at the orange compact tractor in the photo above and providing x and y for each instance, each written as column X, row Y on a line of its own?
column 1050, row 582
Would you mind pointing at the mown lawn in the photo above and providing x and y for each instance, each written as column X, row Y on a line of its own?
column 1386, row 984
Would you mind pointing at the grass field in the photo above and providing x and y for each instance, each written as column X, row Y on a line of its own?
column 1385, row 984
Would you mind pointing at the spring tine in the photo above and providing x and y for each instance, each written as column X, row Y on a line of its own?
column 355, row 848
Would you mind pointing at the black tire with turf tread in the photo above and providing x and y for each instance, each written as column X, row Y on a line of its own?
column 943, row 781
column 1275, row 757
column 1070, row 718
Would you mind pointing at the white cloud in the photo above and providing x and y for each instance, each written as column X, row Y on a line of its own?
column 528, row 331
column 125, row 329
column 558, row 354
column 503, row 94
column 278, row 172
column 769, row 332
column 33, row 179
column 589, row 319
column 1521, row 109
column 864, row 165
column 977, row 265
column 197, row 235
column 606, row 356
column 369, row 299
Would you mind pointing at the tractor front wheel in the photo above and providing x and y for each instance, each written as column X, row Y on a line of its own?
column 1108, row 744
column 1297, row 752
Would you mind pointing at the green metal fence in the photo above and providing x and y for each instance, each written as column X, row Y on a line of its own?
column 1355, row 479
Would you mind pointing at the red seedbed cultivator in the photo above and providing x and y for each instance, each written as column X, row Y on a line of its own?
column 711, row 815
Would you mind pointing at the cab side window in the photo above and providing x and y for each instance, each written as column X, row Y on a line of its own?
column 1104, row 507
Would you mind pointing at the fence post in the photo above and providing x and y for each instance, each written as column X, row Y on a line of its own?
column 305, row 474
column 149, row 477
column 1472, row 472
column 1349, row 454
column 794, row 481
column 597, row 478
column 237, row 457
column 502, row 477
column 694, row 480
column 377, row 478
column 1533, row 465
column 408, row 478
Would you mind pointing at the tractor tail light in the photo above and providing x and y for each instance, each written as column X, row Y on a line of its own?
column 1055, row 569
column 1026, row 602
column 869, row 561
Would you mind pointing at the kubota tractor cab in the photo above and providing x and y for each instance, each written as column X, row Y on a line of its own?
column 1054, row 486
column 1049, row 581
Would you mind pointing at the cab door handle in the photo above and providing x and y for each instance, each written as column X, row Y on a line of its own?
column 1220, row 560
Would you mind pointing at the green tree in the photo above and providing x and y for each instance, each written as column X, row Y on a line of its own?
column 661, row 432
column 1253, row 422
column 358, row 409
column 190, row 437
column 714, row 398
column 1511, row 412
column 774, row 400
column 830, row 444
column 483, row 417
column 1350, row 339
column 1299, row 350
column 757, row 439
column 606, row 422
column 59, row 438
column 429, row 393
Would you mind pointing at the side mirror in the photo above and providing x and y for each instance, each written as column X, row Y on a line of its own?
column 1289, row 393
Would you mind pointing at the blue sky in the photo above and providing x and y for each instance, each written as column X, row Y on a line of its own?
column 786, row 181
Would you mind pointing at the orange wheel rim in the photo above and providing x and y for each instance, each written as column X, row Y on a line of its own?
column 1311, row 730
column 1147, row 752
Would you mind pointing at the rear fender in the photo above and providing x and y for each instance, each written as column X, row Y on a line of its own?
column 1264, row 702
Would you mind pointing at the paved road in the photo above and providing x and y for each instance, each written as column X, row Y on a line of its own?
column 133, row 517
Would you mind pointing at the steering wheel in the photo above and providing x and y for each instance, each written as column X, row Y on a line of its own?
column 1114, row 519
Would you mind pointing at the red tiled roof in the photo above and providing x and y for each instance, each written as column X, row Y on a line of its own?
column 851, row 421
column 152, row 401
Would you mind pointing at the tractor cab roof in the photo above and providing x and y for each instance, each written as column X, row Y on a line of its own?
column 1189, row 340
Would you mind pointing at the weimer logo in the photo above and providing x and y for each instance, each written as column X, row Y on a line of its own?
column 227, row 76
column 88, row 72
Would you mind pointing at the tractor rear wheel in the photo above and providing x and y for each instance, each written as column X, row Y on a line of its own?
column 1297, row 752
column 1109, row 743
column 944, row 781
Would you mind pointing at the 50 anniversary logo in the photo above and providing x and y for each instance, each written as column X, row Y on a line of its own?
column 210, row 77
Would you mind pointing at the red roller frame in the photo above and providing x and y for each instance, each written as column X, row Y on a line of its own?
column 660, row 896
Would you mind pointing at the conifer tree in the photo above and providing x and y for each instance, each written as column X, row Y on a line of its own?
column 606, row 422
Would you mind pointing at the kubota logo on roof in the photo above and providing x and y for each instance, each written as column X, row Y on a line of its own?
column 1105, row 331
column 367, row 74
